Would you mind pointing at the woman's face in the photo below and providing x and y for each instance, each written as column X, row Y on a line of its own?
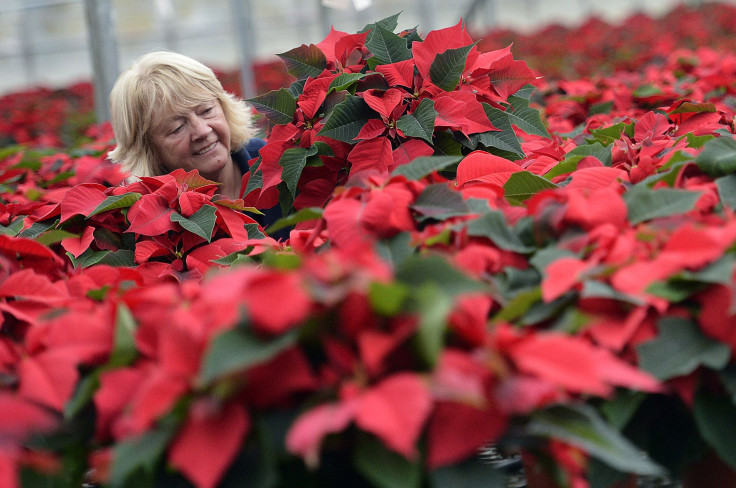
column 198, row 138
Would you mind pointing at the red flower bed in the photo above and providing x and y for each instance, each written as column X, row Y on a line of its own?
column 477, row 256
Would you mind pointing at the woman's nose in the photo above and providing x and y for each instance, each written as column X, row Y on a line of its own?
column 200, row 128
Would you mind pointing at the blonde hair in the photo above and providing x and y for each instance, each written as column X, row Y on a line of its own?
column 158, row 83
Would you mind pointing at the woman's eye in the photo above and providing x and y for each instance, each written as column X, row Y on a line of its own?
column 177, row 129
column 207, row 110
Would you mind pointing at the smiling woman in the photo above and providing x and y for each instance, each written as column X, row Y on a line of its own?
column 170, row 111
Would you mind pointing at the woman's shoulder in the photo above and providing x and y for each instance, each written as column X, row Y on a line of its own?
column 253, row 146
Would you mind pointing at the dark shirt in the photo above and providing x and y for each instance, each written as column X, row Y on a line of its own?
column 241, row 157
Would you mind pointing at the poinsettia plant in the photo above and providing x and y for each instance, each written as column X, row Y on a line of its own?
column 370, row 102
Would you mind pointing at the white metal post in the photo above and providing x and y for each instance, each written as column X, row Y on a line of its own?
column 104, row 52
column 243, row 27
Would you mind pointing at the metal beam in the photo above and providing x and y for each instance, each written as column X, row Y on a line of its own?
column 103, row 50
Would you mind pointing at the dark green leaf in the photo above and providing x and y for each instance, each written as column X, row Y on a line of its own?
column 237, row 349
column 344, row 80
column 425, row 165
column 596, row 149
column 644, row 203
column 83, row 393
column 607, row 135
column 383, row 467
column 14, row 228
column 471, row 473
column 112, row 202
column 138, row 453
column 679, row 349
column 718, row 157
column 389, row 23
column 598, row 289
column 396, row 250
column 304, row 61
column 387, row 298
column 581, row 426
column 696, row 142
column 53, row 236
column 303, row 215
column 439, row 202
column 297, row 88
column 201, row 222
column 432, row 306
column 519, row 305
column 525, row 117
column 447, row 67
column 493, row 225
column 620, row 409
column 504, row 138
column 293, row 161
column 277, row 105
column 345, row 122
column 714, row 418
column 124, row 350
column 122, row 258
column 524, row 184
column 417, row 271
column 727, row 190
column 420, row 123
column 386, row 47
column 255, row 182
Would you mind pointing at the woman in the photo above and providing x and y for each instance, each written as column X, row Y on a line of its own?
column 170, row 111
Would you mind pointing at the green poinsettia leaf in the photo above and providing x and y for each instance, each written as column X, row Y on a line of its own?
column 596, row 149
column 124, row 350
column 714, row 417
column 727, row 190
column 471, row 473
column 504, row 138
column 607, row 135
column 493, row 225
column 139, row 454
column 344, row 80
column 124, row 200
column 396, row 250
column 718, row 157
column 384, row 467
column 346, row 120
column 14, row 228
column 679, row 349
column 278, row 106
column 424, row 165
column 581, row 426
column 644, row 203
column 237, row 349
column 447, row 67
column 418, row 271
column 524, row 184
column 53, row 236
column 439, row 202
column 389, row 23
column 304, row 61
column 293, row 161
column 303, row 215
column 38, row 228
column 387, row 298
column 419, row 123
column 525, row 117
column 386, row 47
column 201, row 222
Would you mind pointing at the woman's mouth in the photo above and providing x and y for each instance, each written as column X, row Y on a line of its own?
column 206, row 149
